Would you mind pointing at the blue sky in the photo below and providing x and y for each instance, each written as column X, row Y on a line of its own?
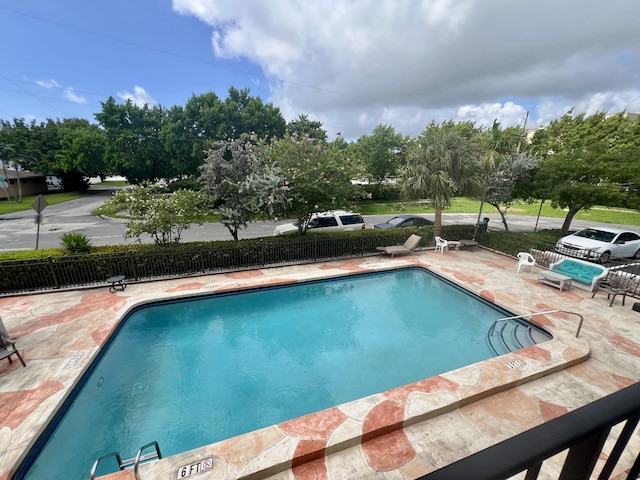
column 65, row 57
column 350, row 64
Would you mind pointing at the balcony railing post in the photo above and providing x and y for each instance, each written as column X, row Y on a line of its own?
column 582, row 457
column 623, row 439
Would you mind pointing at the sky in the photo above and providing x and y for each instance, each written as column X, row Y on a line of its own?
column 351, row 64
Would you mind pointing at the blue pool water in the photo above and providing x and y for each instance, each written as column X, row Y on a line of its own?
column 192, row 372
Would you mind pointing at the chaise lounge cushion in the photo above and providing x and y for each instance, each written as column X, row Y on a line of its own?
column 409, row 246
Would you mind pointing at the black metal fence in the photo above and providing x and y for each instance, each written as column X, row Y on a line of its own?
column 197, row 259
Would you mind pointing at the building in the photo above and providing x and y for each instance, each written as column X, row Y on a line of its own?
column 15, row 183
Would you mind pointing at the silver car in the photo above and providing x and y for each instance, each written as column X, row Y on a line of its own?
column 331, row 221
column 600, row 243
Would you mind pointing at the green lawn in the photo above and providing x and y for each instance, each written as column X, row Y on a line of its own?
column 114, row 183
column 618, row 216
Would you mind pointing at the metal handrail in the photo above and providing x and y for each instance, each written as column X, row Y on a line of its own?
column 539, row 313
column 148, row 456
column 104, row 457
column 122, row 464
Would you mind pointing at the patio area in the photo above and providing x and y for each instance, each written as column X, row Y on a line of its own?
column 399, row 434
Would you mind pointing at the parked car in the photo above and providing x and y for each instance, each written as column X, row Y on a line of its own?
column 330, row 221
column 600, row 243
column 404, row 221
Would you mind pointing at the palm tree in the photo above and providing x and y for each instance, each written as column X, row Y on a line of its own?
column 441, row 163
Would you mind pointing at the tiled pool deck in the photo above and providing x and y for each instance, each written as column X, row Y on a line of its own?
column 400, row 434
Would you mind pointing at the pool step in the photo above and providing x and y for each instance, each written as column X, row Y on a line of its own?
column 511, row 336
column 131, row 462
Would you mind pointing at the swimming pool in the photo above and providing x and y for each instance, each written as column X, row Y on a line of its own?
column 331, row 336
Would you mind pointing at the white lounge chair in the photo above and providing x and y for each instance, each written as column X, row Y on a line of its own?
column 526, row 259
column 441, row 244
column 409, row 246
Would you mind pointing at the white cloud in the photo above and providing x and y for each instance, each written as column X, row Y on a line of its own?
column 139, row 97
column 68, row 93
column 48, row 83
column 366, row 62
column 484, row 114
column 72, row 96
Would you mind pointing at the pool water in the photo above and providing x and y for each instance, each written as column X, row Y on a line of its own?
column 192, row 372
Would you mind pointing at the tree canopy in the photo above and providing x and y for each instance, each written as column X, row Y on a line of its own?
column 142, row 143
column 581, row 163
column 382, row 152
column 317, row 175
column 242, row 181
column 302, row 126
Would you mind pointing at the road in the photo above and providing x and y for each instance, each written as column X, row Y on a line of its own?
column 18, row 231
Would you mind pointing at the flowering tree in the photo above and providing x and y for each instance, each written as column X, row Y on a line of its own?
column 243, row 181
column 317, row 175
column 163, row 216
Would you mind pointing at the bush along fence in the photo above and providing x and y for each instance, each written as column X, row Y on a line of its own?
column 208, row 257
column 191, row 259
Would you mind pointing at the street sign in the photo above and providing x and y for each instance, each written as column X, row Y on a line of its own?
column 39, row 204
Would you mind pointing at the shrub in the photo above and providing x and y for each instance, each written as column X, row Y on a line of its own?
column 76, row 242
column 185, row 184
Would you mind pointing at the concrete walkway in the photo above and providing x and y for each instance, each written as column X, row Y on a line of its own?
column 400, row 434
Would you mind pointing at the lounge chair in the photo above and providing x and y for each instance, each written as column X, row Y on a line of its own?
column 408, row 247
column 441, row 244
column 8, row 348
column 616, row 285
column 525, row 260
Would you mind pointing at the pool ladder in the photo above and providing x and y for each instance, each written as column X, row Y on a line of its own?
column 131, row 462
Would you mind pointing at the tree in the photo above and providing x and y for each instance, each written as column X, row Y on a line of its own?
column 382, row 152
column 242, row 113
column 581, row 158
column 14, row 142
column 317, row 175
column 494, row 144
column 501, row 188
column 242, row 181
column 302, row 126
column 82, row 152
column 136, row 149
column 441, row 162
column 190, row 130
column 163, row 216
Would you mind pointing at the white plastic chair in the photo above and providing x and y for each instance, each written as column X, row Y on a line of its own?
column 441, row 244
column 527, row 260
